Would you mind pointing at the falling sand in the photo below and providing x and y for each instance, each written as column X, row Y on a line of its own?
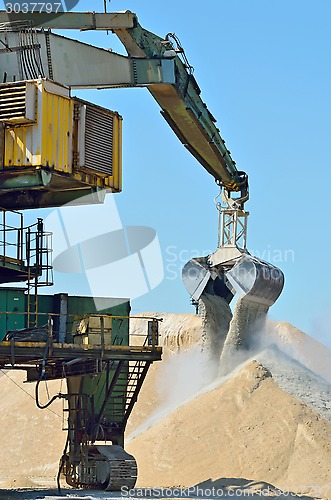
column 247, row 322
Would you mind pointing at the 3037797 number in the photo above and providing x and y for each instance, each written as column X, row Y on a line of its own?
column 40, row 7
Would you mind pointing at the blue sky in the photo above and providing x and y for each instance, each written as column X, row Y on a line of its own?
column 264, row 71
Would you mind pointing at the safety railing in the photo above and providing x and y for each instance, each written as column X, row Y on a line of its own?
column 87, row 329
column 11, row 236
column 29, row 247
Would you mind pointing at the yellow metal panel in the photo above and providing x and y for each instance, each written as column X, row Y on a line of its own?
column 114, row 177
column 120, row 149
column 57, row 128
column 23, row 143
column 117, row 154
column 115, row 181
column 22, row 146
column 48, row 142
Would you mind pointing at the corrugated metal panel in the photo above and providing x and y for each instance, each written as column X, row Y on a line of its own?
column 57, row 125
column 48, row 142
column 22, row 146
column 12, row 101
column 88, row 148
column 23, row 142
column 99, row 140
column 17, row 102
column 117, row 154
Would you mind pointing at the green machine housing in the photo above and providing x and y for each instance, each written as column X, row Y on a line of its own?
column 104, row 367
column 66, row 311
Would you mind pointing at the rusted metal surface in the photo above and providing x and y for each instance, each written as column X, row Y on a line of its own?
column 32, row 352
column 73, row 20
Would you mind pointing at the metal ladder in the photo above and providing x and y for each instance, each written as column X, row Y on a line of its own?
column 38, row 257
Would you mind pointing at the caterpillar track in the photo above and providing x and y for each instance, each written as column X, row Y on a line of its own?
column 107, row 467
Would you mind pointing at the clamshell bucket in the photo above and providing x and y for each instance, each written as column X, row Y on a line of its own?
column 248, row 276
column 198, row 278
column 256, row 280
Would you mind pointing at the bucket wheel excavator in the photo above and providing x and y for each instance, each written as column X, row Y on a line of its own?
column 38, row 70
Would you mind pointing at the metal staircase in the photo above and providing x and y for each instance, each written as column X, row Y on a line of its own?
column 127, row 388
column 120, row 397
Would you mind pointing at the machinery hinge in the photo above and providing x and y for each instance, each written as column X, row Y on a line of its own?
column 77, row 111
column 75, row 158
column 135, row 74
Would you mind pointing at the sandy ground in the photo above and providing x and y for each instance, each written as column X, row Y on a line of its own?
column 31, row 440
column 236, row 489
column 265, row 425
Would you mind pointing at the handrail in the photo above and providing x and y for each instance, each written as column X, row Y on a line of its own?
column 150, row 341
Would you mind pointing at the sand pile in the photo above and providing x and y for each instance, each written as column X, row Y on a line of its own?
column 247, row 427
column 178, row 331
column 300, row 346
column 267, row 421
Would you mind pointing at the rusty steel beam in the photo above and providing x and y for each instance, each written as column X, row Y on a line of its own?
column 72, row 20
